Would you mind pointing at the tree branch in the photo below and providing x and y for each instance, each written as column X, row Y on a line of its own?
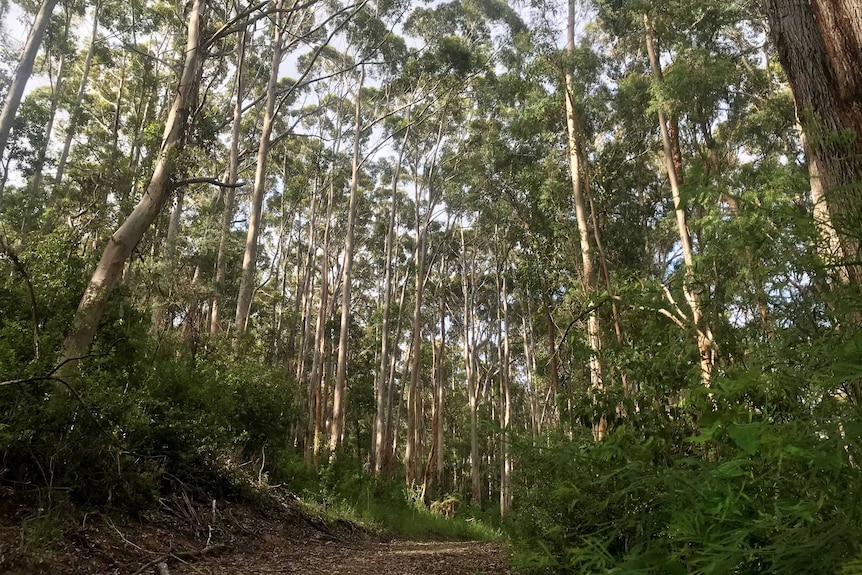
column 211, row 181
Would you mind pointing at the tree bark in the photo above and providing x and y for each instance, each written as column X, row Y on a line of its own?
column 553, row 356
column 393, row 422
column 505, row 394
column 315, row 380
column 415, row 423
column 412, row 453
column 308, row 283
column 440, row 381
column 433, row 477
column 123, row 241
column 819, row 44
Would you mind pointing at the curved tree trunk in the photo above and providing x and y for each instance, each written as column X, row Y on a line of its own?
column 123, row 241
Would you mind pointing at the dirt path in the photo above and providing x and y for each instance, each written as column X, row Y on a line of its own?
column 279, row 556
column 276, row 536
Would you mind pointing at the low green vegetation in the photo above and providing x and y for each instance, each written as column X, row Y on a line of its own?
column 390, row 507
column 757, row 474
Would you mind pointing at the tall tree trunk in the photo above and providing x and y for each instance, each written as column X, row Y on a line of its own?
column 337, row 426
column 379, row 439
column 38, row 167
column 115, row 124
column 160, row 301
column 553, row 356
column 230, row 195
column 467, row 290
column 440, row 382
column 130, row 232
column 505, row 394
column 249, row 261
column 819, row 44
column 433, row 475
column 315, row 397
column 603, row 261
column 25, row 69
column 704, row 334
column 308, row 283
column 56, row 86
column 575, row 141
column 75, row 112
column 322, row 343
column 393, row 422
column 530, row 371
column 415, row 421
column 412, row 453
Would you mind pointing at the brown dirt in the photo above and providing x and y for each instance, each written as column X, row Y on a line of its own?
column 373, row 557
column 275, row 537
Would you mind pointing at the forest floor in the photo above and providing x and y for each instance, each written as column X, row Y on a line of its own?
column 277, row 535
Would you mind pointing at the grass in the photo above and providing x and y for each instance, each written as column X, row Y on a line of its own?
column 389, row 507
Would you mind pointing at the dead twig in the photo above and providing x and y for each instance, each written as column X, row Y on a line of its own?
column 123, row 537
column 181, row 556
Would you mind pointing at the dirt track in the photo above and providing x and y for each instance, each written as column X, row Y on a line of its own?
column 331, row 557
column 275, row 537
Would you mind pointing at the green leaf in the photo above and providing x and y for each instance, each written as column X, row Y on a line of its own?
column 746, row 436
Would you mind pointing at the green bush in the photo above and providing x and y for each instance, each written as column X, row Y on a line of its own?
column 751, row 491
column 142, row 423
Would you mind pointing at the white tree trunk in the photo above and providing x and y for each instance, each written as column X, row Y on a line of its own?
column 505, row 398
column 379, row 435
column 337, row 425
column 467, row 289
column 249, row 261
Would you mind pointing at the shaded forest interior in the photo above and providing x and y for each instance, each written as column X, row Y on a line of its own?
column 584, row 275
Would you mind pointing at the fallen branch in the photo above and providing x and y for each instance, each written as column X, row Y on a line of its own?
column 180, row 556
